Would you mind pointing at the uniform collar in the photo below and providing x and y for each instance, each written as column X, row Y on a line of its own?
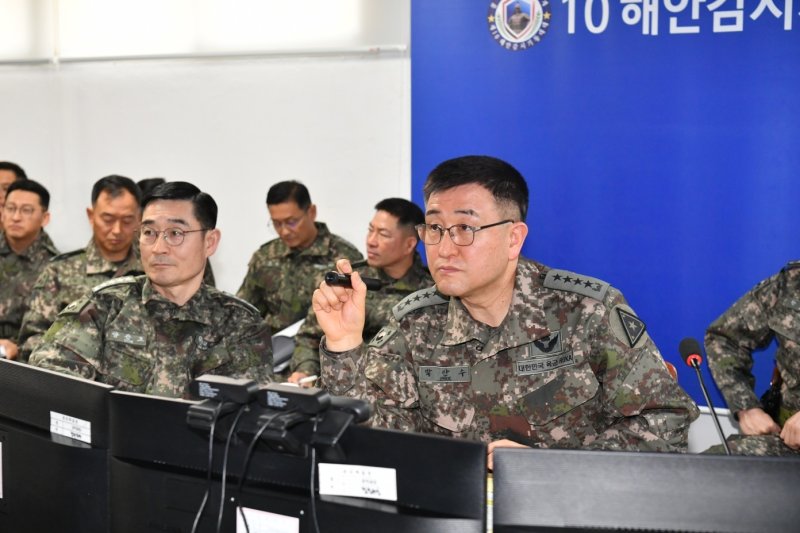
column 97, row 264
column 195, row 310
column 523, row 323
column 320, row 247
column 41, row 246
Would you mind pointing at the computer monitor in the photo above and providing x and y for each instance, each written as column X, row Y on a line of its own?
column 571, row 490
column 53, row 451
column 159, row 465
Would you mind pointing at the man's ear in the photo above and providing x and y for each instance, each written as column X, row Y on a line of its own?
column 212, row 241
column 517, row 238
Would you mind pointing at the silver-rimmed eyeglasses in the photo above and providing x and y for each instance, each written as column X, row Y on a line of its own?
column 26, row 211
column 172, row 236
column 460, row 234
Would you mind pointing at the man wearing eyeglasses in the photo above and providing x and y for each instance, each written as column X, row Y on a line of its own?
column 503, row 349
column 114, row 216
column 284, row 272
column 154, row 334
column 24, row 251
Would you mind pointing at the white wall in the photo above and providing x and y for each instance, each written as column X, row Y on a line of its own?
column 338, row 123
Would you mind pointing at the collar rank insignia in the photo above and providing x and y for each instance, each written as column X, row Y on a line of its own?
column 631, row 326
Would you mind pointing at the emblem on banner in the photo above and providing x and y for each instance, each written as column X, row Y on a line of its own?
column 518, row 24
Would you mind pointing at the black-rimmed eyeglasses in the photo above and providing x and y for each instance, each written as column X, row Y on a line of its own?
column 460, row 234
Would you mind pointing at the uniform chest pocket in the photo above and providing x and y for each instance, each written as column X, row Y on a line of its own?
column 571, row 391
column 211, row 359
column 449, row 405
column 390, row 373
column 127, row 363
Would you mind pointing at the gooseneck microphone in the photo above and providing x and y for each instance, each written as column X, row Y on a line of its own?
column 334, row 279
column 691, row 353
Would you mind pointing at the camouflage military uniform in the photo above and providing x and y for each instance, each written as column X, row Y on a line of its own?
column 378, row 312
column 18, row 273
column 570, row 367
column 65, row 279
column 771, row 310
column 280, row 281
column 127, row 335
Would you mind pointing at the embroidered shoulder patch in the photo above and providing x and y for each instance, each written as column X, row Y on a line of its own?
column 627, row 327
column 75, row 307
column 123, row 280
column 417, row 300
column 564, row 280
column 383, row 336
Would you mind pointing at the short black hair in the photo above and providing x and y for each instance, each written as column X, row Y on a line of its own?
column 148, row 184
column 502, row 180
column 31, row 186
column 114, row 185
column 408, row 214
column 289, row 191
column 203, row 205
column 15, row 168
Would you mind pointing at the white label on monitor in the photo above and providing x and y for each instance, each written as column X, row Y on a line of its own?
column 358, row 481
column 264, row 522
column 71, row 427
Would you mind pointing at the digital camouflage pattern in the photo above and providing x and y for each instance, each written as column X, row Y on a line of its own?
column 563, row 370
column 127, row 335
column 18, row 273
column 63, row 280
column 280, row 281
column 305, row 357
column 771, row 310
column 754, row 445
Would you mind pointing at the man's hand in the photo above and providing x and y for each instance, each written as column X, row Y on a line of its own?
column 791, row 432
column 302, row 379
column 10, row 348
column 503, row 443
column 340, row 311
column 756, row 422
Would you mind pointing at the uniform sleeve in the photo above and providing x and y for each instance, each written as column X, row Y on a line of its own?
column 644, row 407
column 41, row 313
column 731, row 339
column 251, row 346
column 72, row 344
column 380, row 373
column 252, row 290
column 305, row 357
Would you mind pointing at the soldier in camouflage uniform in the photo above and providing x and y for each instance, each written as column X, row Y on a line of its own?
column 392, row 259
column 771, row 310
column 502, row 349
column 114, row 218
column 283, row 273
column 24, row 250
column 155, row 334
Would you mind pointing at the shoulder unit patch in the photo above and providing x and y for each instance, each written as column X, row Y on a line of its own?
column 627, row 327
column 383, row 336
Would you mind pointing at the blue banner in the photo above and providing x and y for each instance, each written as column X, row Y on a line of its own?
column 658, row 138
